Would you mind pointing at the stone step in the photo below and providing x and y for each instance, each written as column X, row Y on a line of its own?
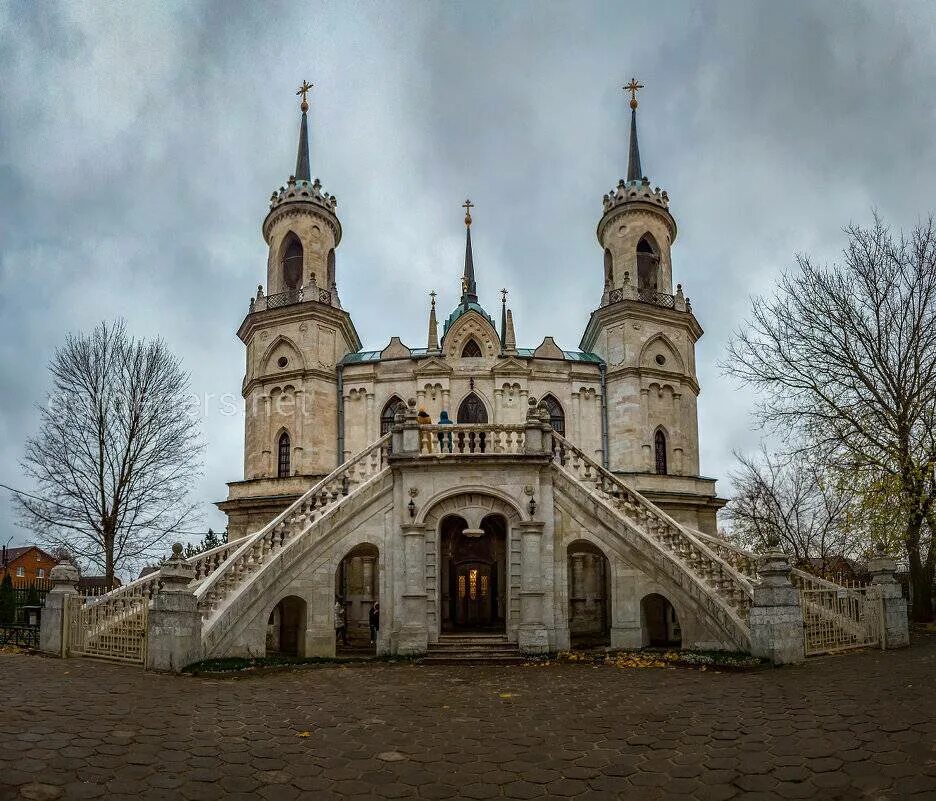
column 472, row 649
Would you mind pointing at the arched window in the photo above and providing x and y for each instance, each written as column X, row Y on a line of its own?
column 331, row 268
column 608, row 268
column 556, row 415
column 648, row 262
column 472, row 350
column 659, row 448
column 386, row 416
column 292, row 261
column 282, row 462
column 472, row 410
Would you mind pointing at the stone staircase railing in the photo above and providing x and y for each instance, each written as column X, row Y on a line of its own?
column 113, row 607
column 471, row 439
column 718, row 578
column 253, row 552
column 746, row 563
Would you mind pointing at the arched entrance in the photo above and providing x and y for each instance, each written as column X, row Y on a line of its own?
column 659, row 623
column 357, row 587
column 589, row 575
column 286, row 627
column 474, row 574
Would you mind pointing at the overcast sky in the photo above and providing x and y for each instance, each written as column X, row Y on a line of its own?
column 139, row 144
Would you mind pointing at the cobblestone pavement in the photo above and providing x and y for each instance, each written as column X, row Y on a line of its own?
column 856, row 726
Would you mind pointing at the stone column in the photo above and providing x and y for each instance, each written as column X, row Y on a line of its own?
column 532, row 637
column 53, row 625
column 413, row 636
column 776, row 616
column 498, row 405
column 575, row 420
column 174, row 625
column 446, row 403
column 896, row 631
column 370, row 422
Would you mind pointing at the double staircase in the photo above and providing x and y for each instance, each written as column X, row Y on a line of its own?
column 472, row 649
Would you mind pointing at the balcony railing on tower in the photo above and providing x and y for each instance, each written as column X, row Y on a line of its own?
column 291, row 296
column 628, row 292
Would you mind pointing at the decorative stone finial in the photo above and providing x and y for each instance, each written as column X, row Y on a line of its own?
column 177, row 550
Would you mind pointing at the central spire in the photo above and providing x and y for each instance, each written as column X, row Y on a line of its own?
column 469, row 287
column 303, row 171
column 634, row 172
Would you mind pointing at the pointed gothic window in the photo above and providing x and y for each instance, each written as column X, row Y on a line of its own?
column 556, row 415
column 282, row 466
column 472, row 410
column 608, row 268
column 472, row 350
column 659, row 447
column 386, row 416
column 331, row 268
column 292, row 262
column 648, row 262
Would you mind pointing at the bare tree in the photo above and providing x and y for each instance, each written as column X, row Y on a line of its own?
column 796, row 500
column 117, row 450
column 846, row 355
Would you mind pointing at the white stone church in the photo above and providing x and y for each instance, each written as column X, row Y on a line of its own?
column 496, row 500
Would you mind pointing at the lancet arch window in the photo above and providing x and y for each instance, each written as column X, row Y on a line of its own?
column 608, row 268
column 330, row 277
column 659, row 450
column 472, row 410
column 283, row 455
column 471, row 350
column 387, row 415
column 556, row 415
column 292, row 262
column 648, row 264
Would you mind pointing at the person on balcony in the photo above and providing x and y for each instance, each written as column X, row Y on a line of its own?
column 425, row 437
column 445, row 440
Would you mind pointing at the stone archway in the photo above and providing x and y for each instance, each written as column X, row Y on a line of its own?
column 659, row 623
column 493, row 526
column 357, row 583
column 286, row 627
column 473, row 567
column 589, row 583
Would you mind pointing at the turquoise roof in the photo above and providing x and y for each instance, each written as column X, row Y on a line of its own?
column 461, row 309
column 364, row 356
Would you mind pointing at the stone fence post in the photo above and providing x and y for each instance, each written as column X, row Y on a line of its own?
column 173, row 628
column 53, row 625
column 896, row 631
column 776, row 616
column 533, row 435
column 409, row 433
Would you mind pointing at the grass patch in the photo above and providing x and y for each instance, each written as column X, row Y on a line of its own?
column 238, row 664
column 662, row 658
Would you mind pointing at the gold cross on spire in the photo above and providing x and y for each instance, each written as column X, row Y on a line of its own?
column 304, row 91
column 503, row 296
column 468, row 206
column 633, row 87
column 433, row 296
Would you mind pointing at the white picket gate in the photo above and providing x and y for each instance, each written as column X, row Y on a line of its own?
column 838, row 619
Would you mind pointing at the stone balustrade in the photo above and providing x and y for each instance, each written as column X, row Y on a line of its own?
column 732, row 587
column 470, row 439
column 251, row 553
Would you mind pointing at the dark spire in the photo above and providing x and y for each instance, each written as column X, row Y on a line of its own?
column 634, row 173
column 469, row 287
column 303, row 172
column 503, row 336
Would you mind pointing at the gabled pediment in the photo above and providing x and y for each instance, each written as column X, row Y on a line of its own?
column 432, row 366
column 395, row 350
column 471, row 325
column 510, row 366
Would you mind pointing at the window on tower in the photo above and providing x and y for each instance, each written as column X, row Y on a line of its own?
column 659, row 446
column 648, row 264
column 292, row 262
column 282, row 467
column 608, row 268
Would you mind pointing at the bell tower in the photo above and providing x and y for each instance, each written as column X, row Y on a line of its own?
column 296, row 334
column 645, row 332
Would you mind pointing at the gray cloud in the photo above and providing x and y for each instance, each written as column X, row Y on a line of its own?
column 139, row 143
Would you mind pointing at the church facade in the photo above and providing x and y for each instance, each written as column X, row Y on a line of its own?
column 626, row 400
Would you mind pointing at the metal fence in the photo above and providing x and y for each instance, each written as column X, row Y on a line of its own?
column 842, row 618
column 112, row 629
